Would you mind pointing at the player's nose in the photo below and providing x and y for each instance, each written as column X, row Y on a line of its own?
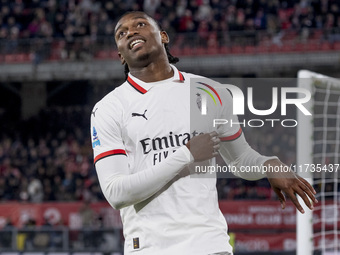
column 131, row 32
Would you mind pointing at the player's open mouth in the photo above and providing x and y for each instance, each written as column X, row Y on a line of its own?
column 136, row 42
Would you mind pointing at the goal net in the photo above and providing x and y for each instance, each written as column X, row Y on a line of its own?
column 318, row 159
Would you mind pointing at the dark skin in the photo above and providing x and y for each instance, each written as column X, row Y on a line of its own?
column 140, row 44
column 147, row 60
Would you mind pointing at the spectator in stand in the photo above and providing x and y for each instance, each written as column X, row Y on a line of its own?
column 87, row 218
column 150, row 6
column 33, row 28
column 6, row 235
column 35, row 190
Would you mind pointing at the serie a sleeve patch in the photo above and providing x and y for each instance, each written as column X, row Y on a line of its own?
column 136, row 243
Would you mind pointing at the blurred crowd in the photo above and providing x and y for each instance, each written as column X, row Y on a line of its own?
column 67, row 19
column 49, row 158
column 79, row 26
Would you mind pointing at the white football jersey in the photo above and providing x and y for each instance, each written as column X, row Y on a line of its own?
column 147, row 122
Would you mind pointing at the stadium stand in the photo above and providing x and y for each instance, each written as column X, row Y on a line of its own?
column 83, row 30
column 49, row 159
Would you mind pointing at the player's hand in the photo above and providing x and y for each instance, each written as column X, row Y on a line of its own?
column 292, row 185
column 205, row 146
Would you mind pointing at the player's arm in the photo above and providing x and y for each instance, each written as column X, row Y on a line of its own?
column 248, row 162
column 238, row 153
column 123, row 186
column 122, row 189
column 234, row 148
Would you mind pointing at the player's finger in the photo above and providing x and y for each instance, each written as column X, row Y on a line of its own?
column 281, row 197
column 215, row 153
column 216, row 147
column 216, row 140
column 308, row 191
column 295, row 201
column 309, row 186
column 304, row 197
column 301, row 191
column 213, row 134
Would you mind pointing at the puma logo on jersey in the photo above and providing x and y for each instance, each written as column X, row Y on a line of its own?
column 135, row 114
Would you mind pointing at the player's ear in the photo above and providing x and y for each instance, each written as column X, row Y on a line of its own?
column 165, row 37
column 122, row 60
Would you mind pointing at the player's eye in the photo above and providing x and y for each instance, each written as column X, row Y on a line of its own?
column 121, row 34
column 141, row 24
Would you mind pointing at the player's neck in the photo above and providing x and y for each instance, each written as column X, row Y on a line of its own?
column 153, row 72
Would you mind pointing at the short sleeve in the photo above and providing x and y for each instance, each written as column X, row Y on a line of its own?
column 106, row 135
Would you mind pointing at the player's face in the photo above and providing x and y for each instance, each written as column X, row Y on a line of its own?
column 139, row 39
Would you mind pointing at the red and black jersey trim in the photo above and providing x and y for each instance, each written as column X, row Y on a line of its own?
column 140, row 89
column 136, row 86
column 109, row 153
column 181, row 77
column 232, row 137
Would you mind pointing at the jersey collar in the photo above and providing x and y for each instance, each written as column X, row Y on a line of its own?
column 143, row 87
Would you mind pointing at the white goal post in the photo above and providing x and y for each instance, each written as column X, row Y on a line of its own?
column 318, row 144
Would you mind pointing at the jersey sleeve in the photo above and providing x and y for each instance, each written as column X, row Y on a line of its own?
column 229, row 128
column 245, row 160
column 122, row 189
column 234, row 148
column 106, row 131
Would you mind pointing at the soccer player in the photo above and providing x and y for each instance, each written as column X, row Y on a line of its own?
column 144, row 145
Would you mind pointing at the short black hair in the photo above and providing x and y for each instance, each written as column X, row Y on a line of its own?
column 171, row 58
